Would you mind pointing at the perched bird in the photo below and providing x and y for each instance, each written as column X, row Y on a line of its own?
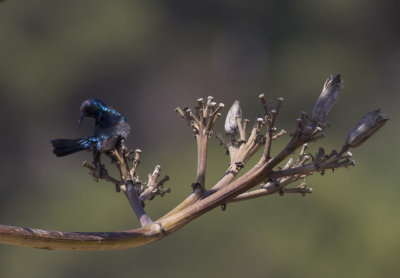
column 110, row 128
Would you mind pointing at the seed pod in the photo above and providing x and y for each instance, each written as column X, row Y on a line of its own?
column 327, row 99
column 231, row 125
column 365, row 128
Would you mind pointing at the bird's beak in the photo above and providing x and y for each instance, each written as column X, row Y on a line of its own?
column 83, row 115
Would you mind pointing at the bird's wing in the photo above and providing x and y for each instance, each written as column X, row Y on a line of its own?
column 109, row 143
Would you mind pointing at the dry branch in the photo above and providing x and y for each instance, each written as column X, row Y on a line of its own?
column 267, row 172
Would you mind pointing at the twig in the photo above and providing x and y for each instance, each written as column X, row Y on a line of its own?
column 279, row 134
column 264, row 103
column 311, row 167
column 103, row 176
column 153, row 187
column 135, row 163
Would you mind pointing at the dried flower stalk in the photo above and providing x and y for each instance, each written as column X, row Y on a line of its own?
column 241, row 145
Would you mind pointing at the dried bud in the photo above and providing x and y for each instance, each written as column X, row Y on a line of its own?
column 365, row 128
column 327, row 99
column 230, row 122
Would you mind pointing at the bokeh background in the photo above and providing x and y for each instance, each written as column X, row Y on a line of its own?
column 147, row 57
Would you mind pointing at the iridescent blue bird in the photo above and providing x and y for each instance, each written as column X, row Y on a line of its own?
column 110, row 128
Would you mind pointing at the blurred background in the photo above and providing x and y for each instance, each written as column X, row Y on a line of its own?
column 147, row 57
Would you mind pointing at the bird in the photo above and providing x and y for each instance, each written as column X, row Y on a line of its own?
column 110, row 128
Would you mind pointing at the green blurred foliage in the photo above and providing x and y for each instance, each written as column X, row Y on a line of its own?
column 147, row 57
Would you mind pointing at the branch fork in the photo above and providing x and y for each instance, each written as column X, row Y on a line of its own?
column 127, row 163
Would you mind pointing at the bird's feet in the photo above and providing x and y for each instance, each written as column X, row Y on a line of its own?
column 99, row 172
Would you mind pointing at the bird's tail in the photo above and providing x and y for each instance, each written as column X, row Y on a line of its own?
column 63, row 147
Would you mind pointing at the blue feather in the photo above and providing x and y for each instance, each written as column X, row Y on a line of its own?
column 110, row 126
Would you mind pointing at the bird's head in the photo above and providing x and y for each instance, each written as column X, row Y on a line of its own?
column 92, row 108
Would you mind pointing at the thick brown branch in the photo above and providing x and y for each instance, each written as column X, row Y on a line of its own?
column 80, row 240
column 132, row 238
column 154, row 231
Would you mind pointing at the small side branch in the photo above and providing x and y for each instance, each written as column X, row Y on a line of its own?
column 104, row 175
column 202, row 122
column 273, row 187
column 207, row 113
column 242, row 151
column 313, row 167
column 132, row 194
column 154, row 187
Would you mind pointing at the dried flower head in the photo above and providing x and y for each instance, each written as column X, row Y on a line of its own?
column 327, row 99
column 231, row 125
column 365, row 128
